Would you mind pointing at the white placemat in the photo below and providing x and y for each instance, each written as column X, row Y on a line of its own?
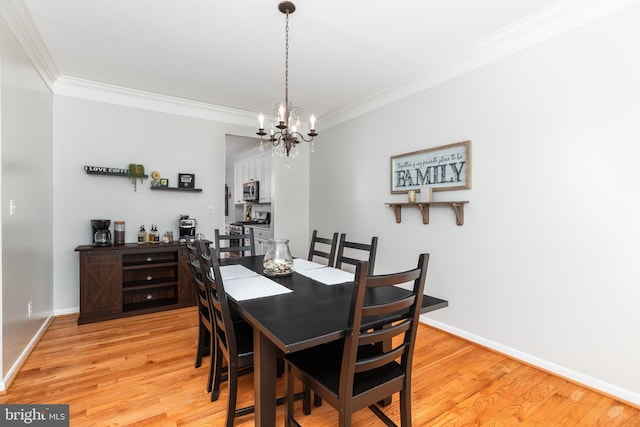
column 300, row 264
column 328, row 275
column 253, row 287
column 235, row 271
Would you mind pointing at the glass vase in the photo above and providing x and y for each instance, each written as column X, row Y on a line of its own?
column 278, row 260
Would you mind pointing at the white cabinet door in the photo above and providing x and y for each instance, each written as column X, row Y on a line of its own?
column 238, row 180
column 265, row 177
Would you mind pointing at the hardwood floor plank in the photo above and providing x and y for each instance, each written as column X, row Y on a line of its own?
column 139, row 371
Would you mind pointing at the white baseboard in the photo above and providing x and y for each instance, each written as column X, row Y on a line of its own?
column 72, row 310
column 13, row 371
column 614, row 391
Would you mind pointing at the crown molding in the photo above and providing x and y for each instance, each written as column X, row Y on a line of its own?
column 558, row 18
column 19, row 21
column 116, row 95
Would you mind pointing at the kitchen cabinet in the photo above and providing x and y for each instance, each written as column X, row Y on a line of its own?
column 261, row 237
column 120, row 281
column 257, row 168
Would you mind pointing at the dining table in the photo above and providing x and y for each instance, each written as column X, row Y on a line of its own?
column 309, row 307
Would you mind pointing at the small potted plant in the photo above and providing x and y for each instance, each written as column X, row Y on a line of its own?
column 136, row 172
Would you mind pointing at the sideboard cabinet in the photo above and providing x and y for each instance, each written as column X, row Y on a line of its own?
column 120, row 281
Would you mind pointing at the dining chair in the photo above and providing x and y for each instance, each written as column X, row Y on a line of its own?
column 327, row 249
column 363, row 369
column 234, row 340
column 205, row 319
column 241, row 243
column 345, row 258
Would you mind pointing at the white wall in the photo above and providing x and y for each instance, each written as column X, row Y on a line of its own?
column 290, row 192
column 545, row 266
column 97, row 134
column 26, row 170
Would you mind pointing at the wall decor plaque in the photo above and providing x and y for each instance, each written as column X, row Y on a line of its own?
column 186, row 180
column 447, row 167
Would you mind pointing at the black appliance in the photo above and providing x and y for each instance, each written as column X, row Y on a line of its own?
column 187, row 228
column 100, row 232
column 251, row 191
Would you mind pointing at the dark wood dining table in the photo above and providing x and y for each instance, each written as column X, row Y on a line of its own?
column 313, row 314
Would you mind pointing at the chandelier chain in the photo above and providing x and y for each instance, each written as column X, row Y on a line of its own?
column 286, row 66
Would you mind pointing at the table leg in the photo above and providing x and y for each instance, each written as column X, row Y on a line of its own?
column 264, row 378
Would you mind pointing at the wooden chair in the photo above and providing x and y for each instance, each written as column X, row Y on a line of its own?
column 370, row 249
column 363, row 369
column 246, row 243
column 329, row 254
column 205, row 319
column 234, row 340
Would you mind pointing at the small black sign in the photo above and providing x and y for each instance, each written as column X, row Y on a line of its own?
column 186, row 180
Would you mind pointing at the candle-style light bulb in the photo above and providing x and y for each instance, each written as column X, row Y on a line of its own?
column 281, row 113
column 312, row 122
column 261, row 120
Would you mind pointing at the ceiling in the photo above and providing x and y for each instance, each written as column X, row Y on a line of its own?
column 231, row 53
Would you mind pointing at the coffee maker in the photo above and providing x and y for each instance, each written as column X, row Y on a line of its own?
column 187, row 228
column 100, row 232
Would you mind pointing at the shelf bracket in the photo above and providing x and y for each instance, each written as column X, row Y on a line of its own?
column 397, row 210
column 424, row 210
column 458, row 208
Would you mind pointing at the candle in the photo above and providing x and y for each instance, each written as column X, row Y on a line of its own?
column 312, row 122
column 261, row 120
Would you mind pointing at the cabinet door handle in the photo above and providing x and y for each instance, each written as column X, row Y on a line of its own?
column 149, row 259
column 149, row 278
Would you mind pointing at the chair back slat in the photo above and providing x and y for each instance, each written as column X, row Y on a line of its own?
column 375, row 362
column 391, row 307
column 346, row 248
column 327, row 250
column 376, row 335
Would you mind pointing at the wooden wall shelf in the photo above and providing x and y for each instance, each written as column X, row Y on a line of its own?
column 458, row 208
column 194, row 190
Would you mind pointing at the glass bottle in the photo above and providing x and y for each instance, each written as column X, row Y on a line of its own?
column 142, row 235
column 278, row 260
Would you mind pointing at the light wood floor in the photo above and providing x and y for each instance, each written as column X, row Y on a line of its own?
column 140, row 371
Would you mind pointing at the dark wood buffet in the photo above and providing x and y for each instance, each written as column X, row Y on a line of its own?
column 131, row 279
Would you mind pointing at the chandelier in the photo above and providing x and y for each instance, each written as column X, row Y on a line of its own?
column 287, row 116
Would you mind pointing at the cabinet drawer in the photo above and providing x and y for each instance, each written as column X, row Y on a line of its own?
column 144, row 276
column 100, row 257
column 149, row 297
column 260, row 233
column 149, row 258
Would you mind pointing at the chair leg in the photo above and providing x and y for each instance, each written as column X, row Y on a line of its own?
column 217, row 375
column 317, row 400
column 212, row 365
column 232, row 380
column 405, row 407
column 306, row 401
column 199, row 351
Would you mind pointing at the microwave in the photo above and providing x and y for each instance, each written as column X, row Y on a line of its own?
column 251, row 191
